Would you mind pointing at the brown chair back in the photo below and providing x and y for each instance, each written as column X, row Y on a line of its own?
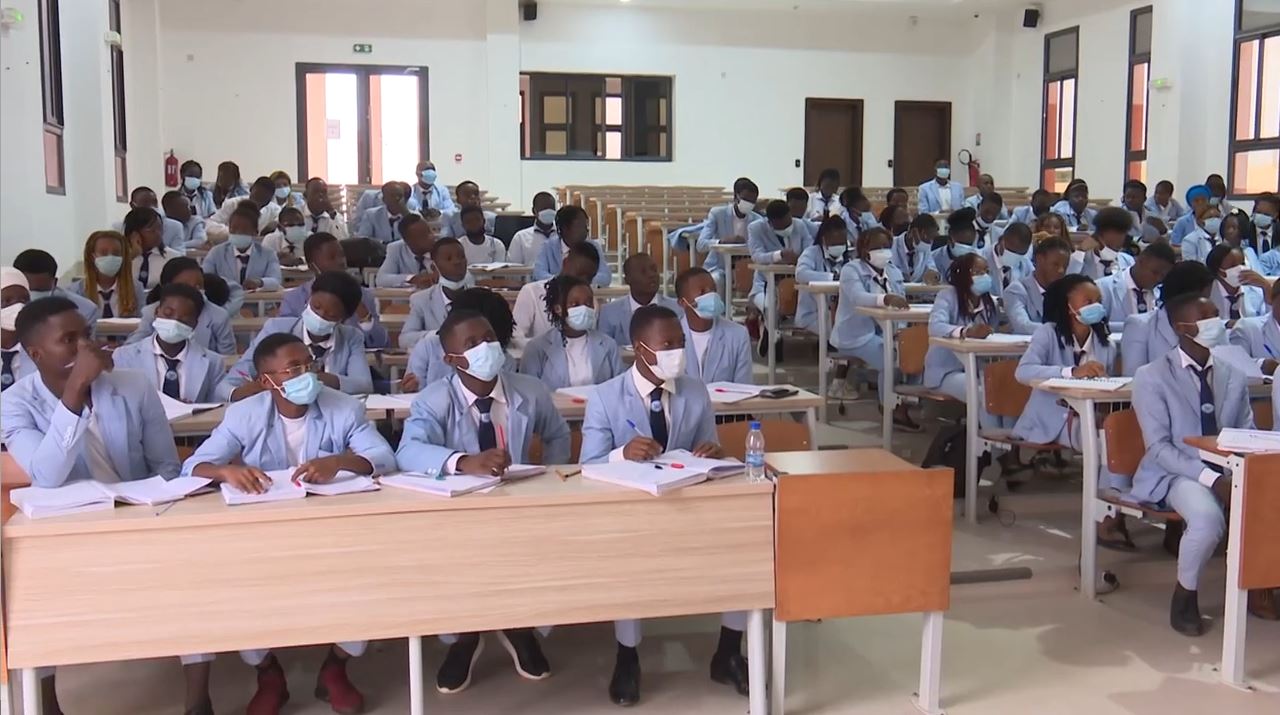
column 1264, row 415
column 788, row 296
column 1124, row 442
column 742, row 274
column 913, row 344
column 780, row 435
column 1006, row 397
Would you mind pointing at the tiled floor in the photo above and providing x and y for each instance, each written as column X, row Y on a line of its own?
column 1026, row 647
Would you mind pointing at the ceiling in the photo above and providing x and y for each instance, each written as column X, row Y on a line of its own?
column 810, row 5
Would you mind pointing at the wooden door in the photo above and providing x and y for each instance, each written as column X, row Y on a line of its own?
column 921, row 136
column 833, row 139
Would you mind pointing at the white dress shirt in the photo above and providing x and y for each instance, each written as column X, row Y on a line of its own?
column 527, row 244
column 530, row 312
column 700, row 343
column 490, row 251
column 295, row 438
column 644, row 388
column 96, row 457
column 944, row 197
column 327, row 344
column 579, row 358
column 1089, row 354
column 1132, row 296
column 497, row 416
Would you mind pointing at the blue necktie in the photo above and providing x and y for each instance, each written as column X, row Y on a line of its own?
column 144, row 271
column 1233, row 306
column 485, row 432
column 1141, row 296
column 107, row 312
column 244, row 267
column 170, row 386
column 657, row 418
column 1208, row 415
column 6, row 379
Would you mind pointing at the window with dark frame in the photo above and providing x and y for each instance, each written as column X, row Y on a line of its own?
column 117, row 105
column 55, row 180
column 595, row 117
column 1058, row 128
column 1138, row 108
column 1253, row 166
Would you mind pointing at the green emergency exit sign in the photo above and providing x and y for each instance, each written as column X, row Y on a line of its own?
column 361, row 49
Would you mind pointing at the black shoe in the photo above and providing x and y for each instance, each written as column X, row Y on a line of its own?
column 455, row 671
column 1184, row 612
column 525, row 652
column 1173, row 536
column 624, row 686
column 729, row 668
column 762, row 348
column 205, row 708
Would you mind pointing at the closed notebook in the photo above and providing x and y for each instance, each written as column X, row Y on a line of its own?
column 443, row 485
column 1247, row 441
column 652, row 477
column 1110, row 384
column 730, row 392
column 343, row 483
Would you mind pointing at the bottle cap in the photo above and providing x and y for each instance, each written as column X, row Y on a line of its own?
column 755, row 424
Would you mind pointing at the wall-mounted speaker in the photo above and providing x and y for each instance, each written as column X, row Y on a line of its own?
column 529, row 11
column 1031, row 17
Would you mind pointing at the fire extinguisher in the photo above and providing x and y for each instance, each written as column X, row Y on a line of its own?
column 171, row 170
column 975, row 167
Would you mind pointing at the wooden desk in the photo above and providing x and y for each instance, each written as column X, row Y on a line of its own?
column 840, row 520
column 116, row 327
column 970, row 350
column 388, row 564
column 923, row 290
column 729, row 251
column 264, row 297
column 240, row 325
column 771, row 271
column 201, row 424
column 889, row 319
column 519, row 272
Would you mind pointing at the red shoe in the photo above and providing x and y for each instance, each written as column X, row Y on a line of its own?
column 333, row 687
column 273, row 690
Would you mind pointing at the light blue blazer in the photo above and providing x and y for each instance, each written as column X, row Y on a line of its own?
column 1091, row 266
column 371, row 198
column 345, row 359
column 945, row 318
column 295, row 300
column 942, row 258
column 1251, row 302
column 552, row 256
column 1024, row 304
column 1166, row 397
column 678, row 238
column 400, row 265
column 814, row 266
column 1184, row 226
column 1023, row 214
column 1146, row 336
column 427, row 311
column 858, row 289
column 453, row 225
column 375, row 223
column 87, row 308
column 252, row 432
column 213, row 329
column 1270, row 262
column 718, row 227
column 47, row 439
column 764, row 242
column 976, row 200
column 727, row 357
column 615, row 317
column 1259, row 336
column 263, row 265
column 1063, row 209
column 434, row 197
column 139, row 292
column 927, row 196
column 1042, row 419
column 440, row 424
column 1196, row 245
column 546, row 358
column 1013, row 267
column 426, row 360
column 193, row 233
column 914, row 263
column 1171, row 213
column 1116, row 299
column 201, row 370
column 201, row 202
column 691, row 421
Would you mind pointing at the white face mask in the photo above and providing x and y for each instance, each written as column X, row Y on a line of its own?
column 1211, row 332
column 879, row 258
column 1107, row 254
column 1232, row 276
column 9, row 316
column 744, row 207
column 837, row 251
column 670, row 363
column 785, row 233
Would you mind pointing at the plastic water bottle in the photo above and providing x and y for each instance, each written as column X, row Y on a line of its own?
column 755, row 454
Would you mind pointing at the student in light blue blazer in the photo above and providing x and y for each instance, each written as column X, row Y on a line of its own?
column 1266, row 232
column 798, row 201
column 107, row 281
column 1147, row 336
column 1235, row 292
column 987, row 189
column 1024, row 299
column 480, row 421
column 573, row 353
column 1260, row 336
column 653, row 408
column 13, row 297
column 428, row 308
column 778, row 239
column 408, row 260
column 1074, row 207
column 728, row 224
column 173, row 362
column 428, row 192
column 426, row 362
column 913, row 251
column 940, row 194
column 1103, row 253
column 572, row 227
column 716, row 349
column 213, row 327
column 198, row 196
column 1009, row 256
column 324, row 254
column 1197, row 199
column 41, row 271
column 961, row 235
column 171, row 230
column 382, row 223
column 294, row 423
column 856, row 212
column 243, row 259
column 468, row 193
column 825, row 202
column 1184, row 392
column 1074, row 342
column 1133, row 291
column 1163, row 206
column 640, row 272
column 963, row 309
column 990, row 209
column 1041, row 203
column 338, row 349
column 821, row 262
column 178, row 207
column 1204, row 234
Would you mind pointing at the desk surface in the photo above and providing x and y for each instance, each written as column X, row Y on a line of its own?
column 981, row 347
column 918, row 313
column 733, row 249
column 787, row 268
column 575, row 408
column 836, row 461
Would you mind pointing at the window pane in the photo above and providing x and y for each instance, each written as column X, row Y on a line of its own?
column 599, row 110
column 555, row 142
column 122, row 180
column 613, row 111
column 1138, row 108
column 613, row 85
column 1138, row 170
column 332, row 149
column 613, row 145
column 394, row 126
column 1259, row 14
column 662, row 112
column 1062, row 52
column 1269, row 127
column 1051, row 113
column 53, row 160
column 555, row 109
column 1056, row 180
column 1256, row 172
column 1246, row 84
column 1068, row 143
column 1142, row 33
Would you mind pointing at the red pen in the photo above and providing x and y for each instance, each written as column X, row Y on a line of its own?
column 502, row 437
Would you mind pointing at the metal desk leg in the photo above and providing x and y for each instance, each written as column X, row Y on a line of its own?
column 30, row 692
column 771, row 320
column 1089, row 496
column 727, row 260
column 1235, row 619
column 811, row 420
column 778, row 681
column 823, row 338
column 887, row 399
column 417, row 704
column 971, row 435
column 666, row 265
column 930, row 664
column 755, row 664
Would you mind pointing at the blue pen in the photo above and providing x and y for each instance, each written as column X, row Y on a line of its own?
column 1269, row 351
column 632, row 425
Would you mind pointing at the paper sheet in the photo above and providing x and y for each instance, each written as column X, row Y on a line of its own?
column 730, row 392
column 1109, row 384
column 1007, row 339
column 343, row 483
column 282, row 489
column 156, row 490
column 399, row 401
column 1248, row 441
column 175, row 409
column 582, row 392
column 444, row 485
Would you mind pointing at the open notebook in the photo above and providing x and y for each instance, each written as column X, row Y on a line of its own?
column 283, row 488
column 89, row 495
column 1110, row 384
column 441, row 485
column 174, row 409
column 669, row 472
column 1248, row 441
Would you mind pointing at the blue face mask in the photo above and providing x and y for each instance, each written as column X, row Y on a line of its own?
column 962, row 249
column 190, row 183
column 240, row 241
column 708, row 306
column 429, row 176
column 303, row 389
column 1211, row 226
column 315, row 324
column 943, row 173
column 982, row 284
column 1092, row 314
column 1263, row 221
column 547, row 217
column 581, row 317
column 282, row 192
column 172, row 331
column 108, row 265
column 485, row 361
column 38, row 294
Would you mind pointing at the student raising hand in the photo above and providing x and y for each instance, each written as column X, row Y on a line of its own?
column 491, row 461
